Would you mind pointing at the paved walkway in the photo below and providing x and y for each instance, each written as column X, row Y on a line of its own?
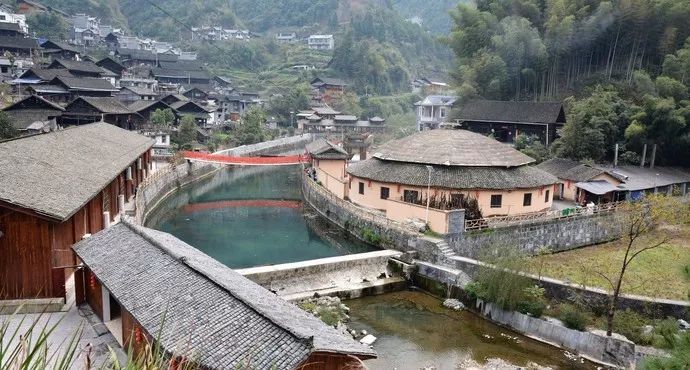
column 66, row 324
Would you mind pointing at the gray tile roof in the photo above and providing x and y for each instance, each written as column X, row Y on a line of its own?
column 73, row 65
column 328, row 81
column 85, row 83
column 511, row 111
column 180, row 74
column 23, row 119
column 324, row 149
column 452, row 148
column 142, row 91
column 451, row 177
column 104, row 104
column 56, row 174
column 46, row 74
column 641, row 178
column 445, row 100
column 10, row 42
column 211, row 312
column 567, row 169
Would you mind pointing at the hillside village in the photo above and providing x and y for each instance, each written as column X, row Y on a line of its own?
column 330, row 194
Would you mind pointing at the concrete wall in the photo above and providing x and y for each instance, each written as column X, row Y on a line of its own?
column 557, row 235
column 278, row 146
column 402, row 212
column 600, row 348
column 331, row 174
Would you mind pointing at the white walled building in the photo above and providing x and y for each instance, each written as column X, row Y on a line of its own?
column 321, row 42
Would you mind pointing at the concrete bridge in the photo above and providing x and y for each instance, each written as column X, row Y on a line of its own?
column 286, row 160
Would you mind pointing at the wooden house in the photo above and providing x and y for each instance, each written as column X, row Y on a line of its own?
column 33, row 114
column 8, row 29
column 19, row 46
column 112, row 65
column 78, row 68
column 54, row 190
column 60, row 50
column 329, row 88
column 149, row 285
column 84, row 86
column 190, row 108
column 129, row 94
column 88, row 109
column 146, row 107
column 508, row 119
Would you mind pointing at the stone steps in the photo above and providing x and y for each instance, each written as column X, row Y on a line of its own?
column 446, row 249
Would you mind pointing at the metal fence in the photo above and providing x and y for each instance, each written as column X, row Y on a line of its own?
column 531, row 218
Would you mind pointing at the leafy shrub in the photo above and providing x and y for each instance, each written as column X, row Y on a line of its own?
column 573, row 317
column 533, row 302
column 371, row 236
column 631, row 325
column 665, row 333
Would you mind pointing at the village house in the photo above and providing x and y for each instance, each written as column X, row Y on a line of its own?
column 75, row 87
column 141, row 282
column 77, row 68
column 7, row 18
column 56, row 49
column 433, row 111
column 88, row 109
column 447, row 168
column 8, row 29
column 56, row 189
column 430, row 87
column 112, row 65
column 20, row 47
column 33, row 114
column 146, row 107
column 286, row 37
column 129, row 94
column 583, row 184
column 328, row 89
column 321, row 42
column 505, row 120
column 329, row 162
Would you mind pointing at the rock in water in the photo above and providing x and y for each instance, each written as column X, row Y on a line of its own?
column 368, row 340
column 453, row 304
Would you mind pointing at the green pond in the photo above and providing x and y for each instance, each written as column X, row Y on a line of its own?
column 252, row 216
column 415, row 331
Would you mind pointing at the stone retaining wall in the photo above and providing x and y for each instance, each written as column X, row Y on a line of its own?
column 165, row 182
column 557, row 235
column 356, row 220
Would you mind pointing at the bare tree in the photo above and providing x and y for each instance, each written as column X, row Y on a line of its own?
column 644, row 225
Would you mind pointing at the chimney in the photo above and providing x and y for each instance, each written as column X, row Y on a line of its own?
column 644, row 155
column 615, row 157
column 653, row 156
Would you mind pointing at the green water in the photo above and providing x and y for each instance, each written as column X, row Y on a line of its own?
column 415, row 331
column 210, row 216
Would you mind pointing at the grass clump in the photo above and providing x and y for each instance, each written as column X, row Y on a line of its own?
column 573, row 317
column 370, row 236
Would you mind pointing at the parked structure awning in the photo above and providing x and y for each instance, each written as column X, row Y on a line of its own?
column 599, row 187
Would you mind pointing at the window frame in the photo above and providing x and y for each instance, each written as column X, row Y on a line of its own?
column 360, row 188
column 546, row 196
column 498, row 204
column 527, row 200
column 387, row 192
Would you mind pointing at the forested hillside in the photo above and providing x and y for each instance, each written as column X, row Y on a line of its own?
column 434, row 14
column 626, row 62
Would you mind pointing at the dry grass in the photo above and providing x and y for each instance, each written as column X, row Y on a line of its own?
column 655, row 273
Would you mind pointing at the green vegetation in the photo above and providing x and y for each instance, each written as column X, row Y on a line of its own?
column 186, row 134
column 503, row 284
column 679, row 359
column 371, row 236
column 251, row 129
column 49, row 25
column 656, row 273
column 624, row 63
column 573, row 317
column 162, row 118
column 7, row 130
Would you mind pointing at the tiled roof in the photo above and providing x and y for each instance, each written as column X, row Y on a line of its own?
column 7, row 26
column 511, row 111
column 50, row 44
column 182, row 65
column 141, row 105
column 522, row 177
column 85, row 83
column 438, row 100
column 109, row 105
column 25, row 43
column 78, row 66
column 33, row 102
column 324, row 149
column 23, row 119
column 56, row 174
column 641, row 178
column 567, row 169
column 329, row 81
column 142, row 91
column 452, row 148
column 212, row 313
column 174, row 73
column 145, row 55
column 46, row 74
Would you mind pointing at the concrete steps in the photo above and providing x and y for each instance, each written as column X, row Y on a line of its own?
column 446, row 249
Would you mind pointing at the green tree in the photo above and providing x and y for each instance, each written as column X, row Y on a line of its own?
column 251, row 129
column 7, row 130
column 186, row 134
column 295, row 99
column 594, row 125
column 671, row 88
column 48, row 24
column 162, row 118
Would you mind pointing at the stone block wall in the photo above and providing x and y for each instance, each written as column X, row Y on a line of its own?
column 356, row 220
column 164, row 182
column 557, row 235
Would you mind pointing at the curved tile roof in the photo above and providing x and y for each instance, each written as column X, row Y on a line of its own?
column 452, row 177
column 452, row 148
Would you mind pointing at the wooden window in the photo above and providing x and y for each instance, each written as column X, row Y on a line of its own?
column 496, row 200
column 106, row 200
column 361, row 187
column 546, row 196
column 385, row 192
column 411, row 196
column 456, row 199
column 527, row 200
